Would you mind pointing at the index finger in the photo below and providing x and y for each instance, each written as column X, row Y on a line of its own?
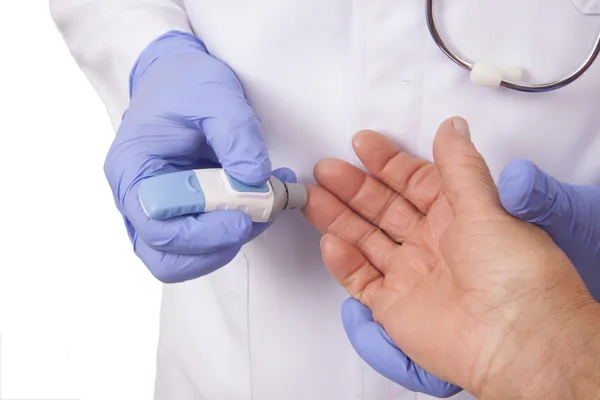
column 220, row 110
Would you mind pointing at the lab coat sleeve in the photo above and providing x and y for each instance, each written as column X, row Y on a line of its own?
column 107, row 36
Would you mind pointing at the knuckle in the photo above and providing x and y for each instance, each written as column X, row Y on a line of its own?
column 217, row 71
column 155, row 238
column 257, row 174
column 163, row 274
column 263, row 171
column 470, row 159
column 159, row 267
column 164, row 269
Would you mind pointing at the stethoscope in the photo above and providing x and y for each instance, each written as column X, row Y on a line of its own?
column 486, row 72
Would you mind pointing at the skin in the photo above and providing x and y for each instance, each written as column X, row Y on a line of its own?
column 470, row 293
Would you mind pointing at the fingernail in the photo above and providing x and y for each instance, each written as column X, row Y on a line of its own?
column 323, row 238
column 462, row 127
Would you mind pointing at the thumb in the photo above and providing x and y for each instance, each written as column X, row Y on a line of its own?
column 466, row 179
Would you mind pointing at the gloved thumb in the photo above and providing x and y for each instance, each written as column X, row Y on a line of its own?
column 284, row 175
column 528, row 193
column 466, row 179
column 570, row 214
column 377, row 349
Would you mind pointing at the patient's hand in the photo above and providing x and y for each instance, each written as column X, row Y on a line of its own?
column 463, row 288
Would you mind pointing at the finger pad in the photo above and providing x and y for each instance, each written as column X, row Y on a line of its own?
column 373, row 149
column 322, row 208
column 340, row 178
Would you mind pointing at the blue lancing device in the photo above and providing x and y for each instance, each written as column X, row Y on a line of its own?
column 205, row 190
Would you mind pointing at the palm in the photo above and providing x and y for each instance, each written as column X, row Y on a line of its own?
column 430, row 284
column 410, row 265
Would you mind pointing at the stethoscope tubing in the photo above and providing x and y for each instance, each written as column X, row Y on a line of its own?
column 518, row 86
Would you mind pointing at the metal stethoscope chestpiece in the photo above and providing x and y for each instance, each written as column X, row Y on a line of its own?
column 487, row 75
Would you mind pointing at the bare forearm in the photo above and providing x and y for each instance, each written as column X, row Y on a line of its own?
column 585, row 376
column 572, row 369
column 556, row 359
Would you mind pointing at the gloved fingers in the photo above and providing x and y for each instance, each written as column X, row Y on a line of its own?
column 175, row 268
column 231, row 127
column 194, row 234
column 533, row 195
column 528, row 193
column 570, row 214
column 178, row 84
column 199, row 234
column 563, row 210
column 141, row 151
column 284, row 175
column 375, row 347
column 158, row 138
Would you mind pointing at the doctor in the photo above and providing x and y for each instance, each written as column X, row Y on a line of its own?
column 185, row 82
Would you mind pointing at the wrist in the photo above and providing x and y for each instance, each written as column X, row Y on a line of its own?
column 555, row 359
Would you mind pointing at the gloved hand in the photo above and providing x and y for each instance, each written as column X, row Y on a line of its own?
column 187, row 111
column 375, row 347
column 570, row 214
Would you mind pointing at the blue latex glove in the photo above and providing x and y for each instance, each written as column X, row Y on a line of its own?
column 375, row 347
column 569, row 214
column 187, row 111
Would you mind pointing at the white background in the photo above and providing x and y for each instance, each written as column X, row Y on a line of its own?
column 78, row 311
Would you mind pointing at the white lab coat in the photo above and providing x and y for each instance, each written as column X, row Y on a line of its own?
column 267, row 326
